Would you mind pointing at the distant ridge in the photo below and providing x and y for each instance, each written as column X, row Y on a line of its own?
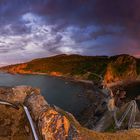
column 114, row 68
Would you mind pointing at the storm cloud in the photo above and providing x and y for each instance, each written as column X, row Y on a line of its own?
column 41, row 28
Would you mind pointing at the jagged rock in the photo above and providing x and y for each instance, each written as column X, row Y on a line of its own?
column 37, row 104
column 122, row 68
column 17, row 94
column 51, row 123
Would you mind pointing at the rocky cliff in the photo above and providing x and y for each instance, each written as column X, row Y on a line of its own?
column 51, row 123
column 123, row 67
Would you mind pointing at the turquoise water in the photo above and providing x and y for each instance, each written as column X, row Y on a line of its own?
column 56, row 91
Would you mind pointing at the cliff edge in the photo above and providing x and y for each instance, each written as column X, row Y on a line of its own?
column 51, row 123
column 120, row 68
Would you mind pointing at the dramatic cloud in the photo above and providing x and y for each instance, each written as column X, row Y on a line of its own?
column 39, row 28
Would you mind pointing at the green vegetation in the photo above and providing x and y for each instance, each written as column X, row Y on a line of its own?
column 68, row 64
column 80, row 67
column 120, row 64
column 71, row 65
column 120, row 69
column 111, row 128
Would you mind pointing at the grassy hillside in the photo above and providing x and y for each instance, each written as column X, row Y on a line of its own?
column 72, row 64
column 81, row 67
column 66, row 65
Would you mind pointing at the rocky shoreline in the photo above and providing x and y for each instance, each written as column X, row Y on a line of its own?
column 80, row 81
column 75, row 80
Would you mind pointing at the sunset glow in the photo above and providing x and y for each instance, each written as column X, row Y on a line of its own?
column 42, row 28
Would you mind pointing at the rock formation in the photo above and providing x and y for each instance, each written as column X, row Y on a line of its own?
column 51, row 123
column 122, row 68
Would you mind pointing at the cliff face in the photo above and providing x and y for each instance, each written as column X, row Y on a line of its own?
column 121, row 68
column 18, row 69
column 51, row 123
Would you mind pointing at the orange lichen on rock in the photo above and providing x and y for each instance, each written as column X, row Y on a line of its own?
column 54, row 125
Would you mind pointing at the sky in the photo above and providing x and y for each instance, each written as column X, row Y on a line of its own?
column 41, row 28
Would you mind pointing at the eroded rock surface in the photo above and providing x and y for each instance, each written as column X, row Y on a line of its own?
column 122, row 68
column 51, row 123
